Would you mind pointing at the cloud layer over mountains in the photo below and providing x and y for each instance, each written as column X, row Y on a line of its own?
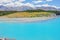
column 33, row 3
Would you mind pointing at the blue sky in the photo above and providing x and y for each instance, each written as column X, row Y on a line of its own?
column 32, row 3
column 52, row 2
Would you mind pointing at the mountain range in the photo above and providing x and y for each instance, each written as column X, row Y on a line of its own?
column 22, row 8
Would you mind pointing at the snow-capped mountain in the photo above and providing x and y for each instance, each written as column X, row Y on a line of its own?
column 46, row 8
column 58, row 9
column 22, row 8
column 2, row 8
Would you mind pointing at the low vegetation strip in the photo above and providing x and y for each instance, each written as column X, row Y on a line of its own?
column 2, row 13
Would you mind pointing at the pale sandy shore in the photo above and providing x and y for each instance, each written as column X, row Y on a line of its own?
column 25, row 19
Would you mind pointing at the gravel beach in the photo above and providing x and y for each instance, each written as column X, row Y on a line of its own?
column 25, row 19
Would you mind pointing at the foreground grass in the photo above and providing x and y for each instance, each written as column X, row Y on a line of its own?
column 28, row 14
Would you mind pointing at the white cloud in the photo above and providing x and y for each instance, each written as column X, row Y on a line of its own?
column 46, row 5
column 49, row 0
column 5, row 1
column 55, row 7
column 21, row 0
column 12, row 3
column 16, row 4
column 19, row 3
column 37, row 1
column 29, row 4
column 58, row 7
column 38, row 5
column 8, row 1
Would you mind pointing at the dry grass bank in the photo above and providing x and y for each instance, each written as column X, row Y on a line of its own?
column 28, row 14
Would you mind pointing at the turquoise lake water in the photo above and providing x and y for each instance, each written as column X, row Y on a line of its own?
column 45, row 30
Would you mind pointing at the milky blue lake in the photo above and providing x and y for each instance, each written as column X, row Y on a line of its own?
column 45, row 30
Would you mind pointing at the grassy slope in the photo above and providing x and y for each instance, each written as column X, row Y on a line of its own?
column 27, row 13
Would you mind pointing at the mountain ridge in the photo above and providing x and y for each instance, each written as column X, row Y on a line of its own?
column 23, row 8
